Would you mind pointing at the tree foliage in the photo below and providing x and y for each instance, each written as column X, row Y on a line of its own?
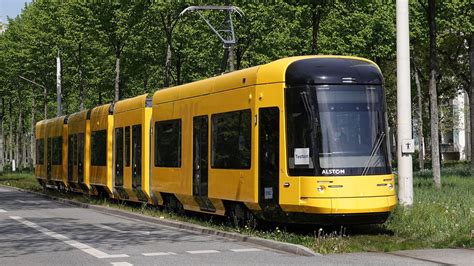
column 91, row 36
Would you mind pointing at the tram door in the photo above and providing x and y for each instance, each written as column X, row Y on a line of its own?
column 269, row 140
column 49, row 154
column 70, row 154
column 119, row 157
column 137, row 156
column 200, row 155
column 200, row 162
column 80, row 157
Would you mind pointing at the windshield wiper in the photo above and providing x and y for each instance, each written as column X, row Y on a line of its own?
column 374, row 151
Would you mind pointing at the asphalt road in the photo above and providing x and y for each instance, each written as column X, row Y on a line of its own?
column 39, row 231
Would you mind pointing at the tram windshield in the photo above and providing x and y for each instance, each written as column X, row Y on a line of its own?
column 337, row 130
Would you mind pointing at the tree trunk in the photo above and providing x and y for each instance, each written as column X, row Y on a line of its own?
column 471, row 96
column 18, row 141
column 32, row 137
column 117, row 77
column 45, row 98
column 145, row 83
column 179, row 64
column 24, row 149
column 421, row 154
column 238, row 57
column 315, row 21
column 231, row 52
column 435, row 156
column 10, row 137
column 231, row 58
column 81, row 82
column 2, row 142
column 5, row 151
column 166, row 81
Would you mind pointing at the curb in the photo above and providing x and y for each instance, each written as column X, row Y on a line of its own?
column 272, row 244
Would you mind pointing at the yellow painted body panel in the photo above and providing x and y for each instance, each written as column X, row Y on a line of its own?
column 87, row 155
column 79, row 124
column 230, row 81
column 347, row 186
column 239, row 184
column 344, row 205
column 100, row 119
column 131, row 112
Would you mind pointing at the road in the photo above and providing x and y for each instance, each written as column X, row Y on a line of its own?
column 38, row 231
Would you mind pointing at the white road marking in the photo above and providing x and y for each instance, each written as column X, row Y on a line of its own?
column 121, row 263
column 27, row 202
column 106, row 227
column 158, row 254
column 85, row 248
column 2, row 210
column 245, row 249
column 202, row 251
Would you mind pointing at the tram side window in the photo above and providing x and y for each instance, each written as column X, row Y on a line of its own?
column 168, row 143
column 99, row 148
column 40, row 151
column 57, row 150
column 231, row 140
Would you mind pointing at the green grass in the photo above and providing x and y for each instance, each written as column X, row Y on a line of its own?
column 20, row 180
column 438, row 218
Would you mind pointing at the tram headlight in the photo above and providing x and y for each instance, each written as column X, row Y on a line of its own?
column 390, row 187
column 321, row 188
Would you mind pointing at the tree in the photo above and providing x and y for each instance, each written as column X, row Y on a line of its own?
column 121, row 49
column 167, row 17
column 471, row 94
column 117, row 21
column 419, row 113
column 435, row 157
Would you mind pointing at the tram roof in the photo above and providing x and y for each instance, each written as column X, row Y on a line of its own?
column 137, row 102
column 78, row 116
column 102, row 110
column 273, row 72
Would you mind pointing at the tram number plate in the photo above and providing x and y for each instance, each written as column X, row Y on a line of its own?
column 268, row 193
column 301, row 156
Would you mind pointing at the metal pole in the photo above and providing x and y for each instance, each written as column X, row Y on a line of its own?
column 31, row 81
column 44, row 94
column 404, row 124
column 58, row 85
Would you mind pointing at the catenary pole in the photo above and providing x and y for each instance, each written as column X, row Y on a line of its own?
column 58, row 85
column 404, row 124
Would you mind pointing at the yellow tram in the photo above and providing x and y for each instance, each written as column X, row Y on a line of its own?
column 299, row 140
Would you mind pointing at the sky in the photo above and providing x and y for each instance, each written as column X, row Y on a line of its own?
column 11, row 8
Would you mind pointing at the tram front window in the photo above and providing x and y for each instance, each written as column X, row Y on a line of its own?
column 344, row 125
